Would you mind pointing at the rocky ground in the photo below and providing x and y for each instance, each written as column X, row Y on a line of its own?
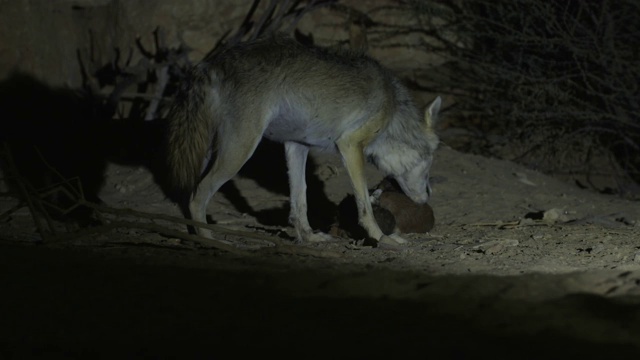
column 519, row 264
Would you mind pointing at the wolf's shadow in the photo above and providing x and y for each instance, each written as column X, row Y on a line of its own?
column 48, row 136
column 268, row 168
column 55, row 134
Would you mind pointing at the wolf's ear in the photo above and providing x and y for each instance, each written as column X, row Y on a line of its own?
column 431, row 112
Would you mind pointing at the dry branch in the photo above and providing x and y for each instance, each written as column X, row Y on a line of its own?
column 551, row 84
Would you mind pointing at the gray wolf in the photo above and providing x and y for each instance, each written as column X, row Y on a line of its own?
column 302, row 96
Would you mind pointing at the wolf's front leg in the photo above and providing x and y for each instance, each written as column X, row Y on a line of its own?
column 353, row 158
column 296, row 162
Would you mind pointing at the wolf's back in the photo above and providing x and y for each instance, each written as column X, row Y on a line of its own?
column 190, row 130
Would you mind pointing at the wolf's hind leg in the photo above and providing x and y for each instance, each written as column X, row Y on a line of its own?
column 296, row 163
column 231, row 155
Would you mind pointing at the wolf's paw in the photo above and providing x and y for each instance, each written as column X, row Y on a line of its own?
column 392, row 239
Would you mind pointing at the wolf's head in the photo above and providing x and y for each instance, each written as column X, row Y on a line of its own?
column 407, row 153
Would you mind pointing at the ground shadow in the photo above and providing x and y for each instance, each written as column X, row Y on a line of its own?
column 56, row 134
column 268, row 168
column 49, row 136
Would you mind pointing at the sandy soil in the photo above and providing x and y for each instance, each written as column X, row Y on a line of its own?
column 519, row 264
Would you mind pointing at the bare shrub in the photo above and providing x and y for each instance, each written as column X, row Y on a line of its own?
column 551, row 84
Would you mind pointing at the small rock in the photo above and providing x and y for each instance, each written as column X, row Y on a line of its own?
column 555, row 215
column 625, row 220
column 522, row 177
column 495, row 249
column 496, row 246
column 598, row 249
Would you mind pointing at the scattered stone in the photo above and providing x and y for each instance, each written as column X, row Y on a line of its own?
column 495, row 247
column 555, row 215
column 522, row 177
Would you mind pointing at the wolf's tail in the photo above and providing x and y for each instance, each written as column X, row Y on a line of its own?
column 190, row 133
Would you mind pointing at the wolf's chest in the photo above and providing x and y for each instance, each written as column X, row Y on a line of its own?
column 306, row 130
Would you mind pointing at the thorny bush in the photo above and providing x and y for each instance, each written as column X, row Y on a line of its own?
column 552, row 84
